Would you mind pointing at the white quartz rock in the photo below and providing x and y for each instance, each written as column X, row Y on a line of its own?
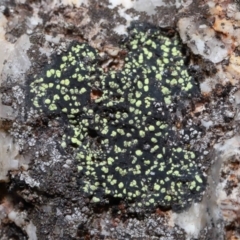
column 202, row 40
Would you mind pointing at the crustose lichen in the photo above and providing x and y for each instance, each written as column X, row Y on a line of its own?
column 126, row 140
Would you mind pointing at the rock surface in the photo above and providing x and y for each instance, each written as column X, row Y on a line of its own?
column 62, row 176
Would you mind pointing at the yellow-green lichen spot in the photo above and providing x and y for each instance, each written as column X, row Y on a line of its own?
column 121, row 125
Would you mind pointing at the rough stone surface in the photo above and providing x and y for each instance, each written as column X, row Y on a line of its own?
column 84, row 93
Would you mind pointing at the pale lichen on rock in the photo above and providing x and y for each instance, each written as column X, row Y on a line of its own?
column 118, row 131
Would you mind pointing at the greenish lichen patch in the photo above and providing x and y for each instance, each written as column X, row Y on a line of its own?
column 125, row 140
